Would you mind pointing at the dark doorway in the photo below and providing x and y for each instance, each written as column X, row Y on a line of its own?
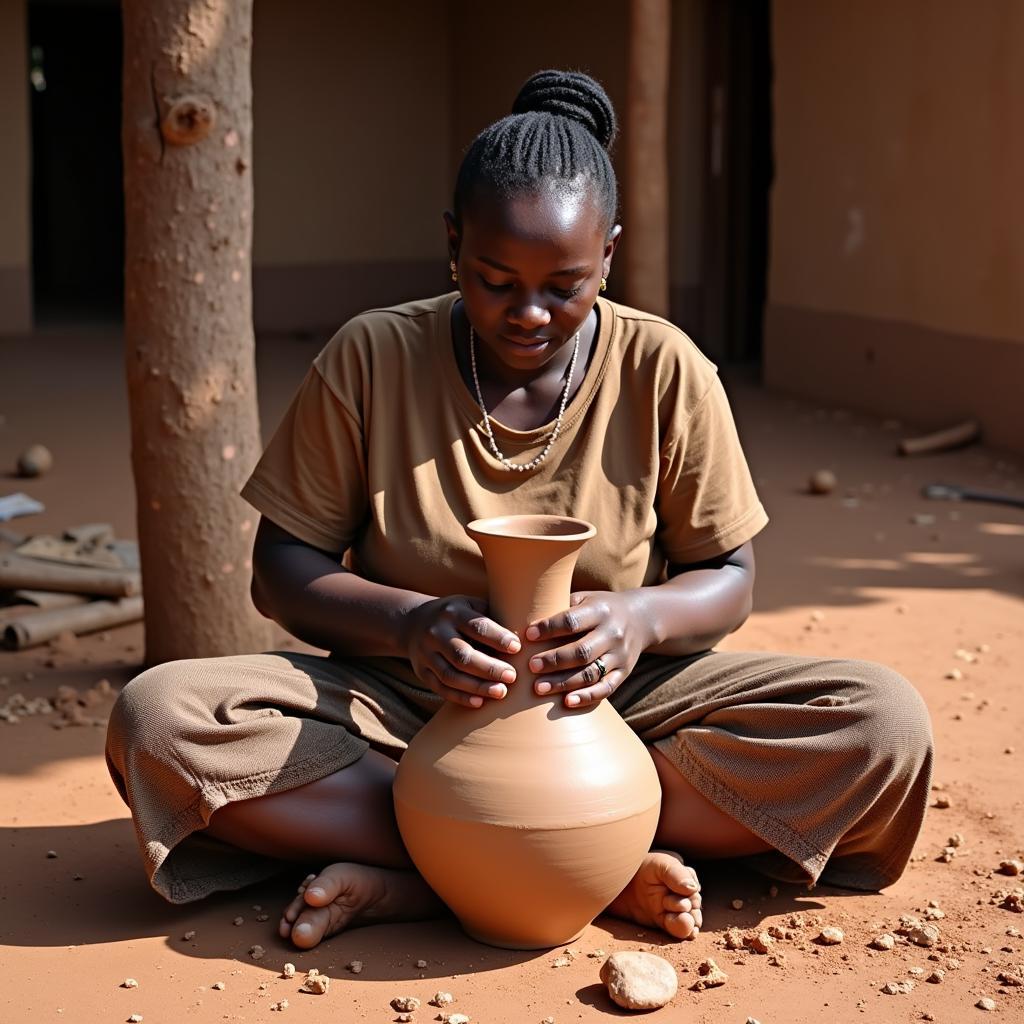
column 740, row 172
column 77, row 198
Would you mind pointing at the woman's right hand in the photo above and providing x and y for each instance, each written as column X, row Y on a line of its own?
column 444, row 641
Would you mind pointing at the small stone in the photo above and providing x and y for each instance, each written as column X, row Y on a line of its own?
column 957, row 840
column 355, row 966
column 596, row 954
column 734, row 938
column 442, row 999
column 548, row 1020
column 830, row 936
column 752, row 1020
column 35, row 461
column 218, row 986
column 942, row 801
column 561, row 961
column 935, row 978
column 129, row 983
column 822, row 481
column 898, row 988
column 135, row 1018
column 257, row 952
column 926, row 935
column 316, row 983
column 934, row 913
column 710, row 976
column 984, row 1003
column 884, row 941
column 737, row 904
column 761, row 943
column 282, row 1005
column 238, row 921
column 288, row 971
column 1012, row 978
column 421, row 964
column 956, row 675
column 777, row 960
column 51, row 854
column 262, row 917
column 188, row 936
column 773, row 891
column 405, row 1018
column 456, row 1018
column 639, row 981
column 1011, row 867
column 405, row 1004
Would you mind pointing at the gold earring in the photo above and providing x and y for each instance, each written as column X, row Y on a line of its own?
column 604, row 285
column 455, row 273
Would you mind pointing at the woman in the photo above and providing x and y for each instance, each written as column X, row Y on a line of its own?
column 522, row 391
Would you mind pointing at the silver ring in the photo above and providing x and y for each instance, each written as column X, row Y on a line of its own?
column 601, row 667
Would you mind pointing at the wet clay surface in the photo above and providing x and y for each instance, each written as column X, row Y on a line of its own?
column 863, row 572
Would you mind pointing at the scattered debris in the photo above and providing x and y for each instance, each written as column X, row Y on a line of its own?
column 1012, row 977
column 639, row 981
column 596, row 954
column 711, row 975
column 282, row 1005
column 316, row 982
column 830, row 936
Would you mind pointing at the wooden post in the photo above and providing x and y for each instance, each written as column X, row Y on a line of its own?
column 645, row 193
column 187, row 138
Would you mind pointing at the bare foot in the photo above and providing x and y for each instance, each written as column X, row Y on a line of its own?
column 344, row 895
column 664, row 893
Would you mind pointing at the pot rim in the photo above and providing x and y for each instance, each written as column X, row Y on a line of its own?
column 519, row 527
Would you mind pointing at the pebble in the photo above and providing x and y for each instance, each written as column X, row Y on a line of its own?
column 355, row 966
column 898, row 988
column 822, row 481
column 936, row 976
column 926, row 935
column 51, row 854
column 456, row 1018
column 405, row 1018
column 884, row 941
column 219, row 986
column 831, row 936
column 737, row 904
column 942, row 801
column 1011, row 867
column 257, row 952
column 129, row 983
column 282, row 1005
column 288, row 971
column 421, row 964
column 639, row 981
column 984, row 1003
column 761, row 943
column 405, row 1004
column 135, row 1018
column 955, row 674
column 35, row 461
column 442, row 999
column 710, row 975
column 317, row 983
column 188, row 936
column 238, row 921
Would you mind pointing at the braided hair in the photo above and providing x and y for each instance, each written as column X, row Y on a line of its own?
column 558, row 135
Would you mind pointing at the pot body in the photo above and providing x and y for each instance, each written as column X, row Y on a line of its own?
column 527, row 818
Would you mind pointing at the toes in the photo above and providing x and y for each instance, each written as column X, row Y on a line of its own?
column 325, row 887
column 311, row 926
column 677, row 904
column 682, row 926
column 676, row 875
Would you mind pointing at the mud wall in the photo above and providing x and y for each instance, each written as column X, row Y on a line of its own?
column 897, row 224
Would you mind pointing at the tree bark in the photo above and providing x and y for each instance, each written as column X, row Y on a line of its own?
column 646, row 283
column 187, row 138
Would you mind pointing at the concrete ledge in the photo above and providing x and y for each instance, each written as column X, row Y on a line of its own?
column 15, row 300
column 918, row 374
column 314, row 297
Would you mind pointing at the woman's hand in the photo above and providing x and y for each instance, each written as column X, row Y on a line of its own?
column 443, row 641
column 609, row 632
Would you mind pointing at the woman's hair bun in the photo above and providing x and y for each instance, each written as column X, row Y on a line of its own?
column 571, row 94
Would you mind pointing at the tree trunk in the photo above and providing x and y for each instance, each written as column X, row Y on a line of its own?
column 646, row 284
column 187, row 138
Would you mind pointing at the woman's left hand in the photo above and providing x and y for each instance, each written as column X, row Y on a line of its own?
column 608, row 633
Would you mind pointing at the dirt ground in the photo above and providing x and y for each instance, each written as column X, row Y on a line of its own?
column 871, row 571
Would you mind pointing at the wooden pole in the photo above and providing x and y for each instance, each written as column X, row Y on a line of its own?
column 645, row 194
column 187, row 138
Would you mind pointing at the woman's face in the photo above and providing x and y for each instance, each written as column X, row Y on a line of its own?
column 530, row 268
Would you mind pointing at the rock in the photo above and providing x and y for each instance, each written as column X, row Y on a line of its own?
column 238, row 921
column 355, row 966
column 188, row 936
column 734, row 939
column 761, row 943
column 282, row 1005
column 926, row 935
column 317, row 983
column 710, row 976
column 405, row 1004
column 218, row 986
column 737, row 904
column 421, row 964
column 288, row 971
column 822, row 481
column 442, row 999
column 884, row 941
column 1011, row 867
column 830, row 936
column 984, row 1003
column 935, row 978
column 942, row 801
column 777, row 960
column 51, row 854
column 35, row 460
column 597, row 954
column 898, row 988
column 777, row 931
column 129, row 983
column 257, row 952
column 405, row 1018
column 456, row 1018
column 135, row 1018
column 639, row 981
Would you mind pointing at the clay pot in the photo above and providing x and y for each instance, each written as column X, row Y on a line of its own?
column 526, row 817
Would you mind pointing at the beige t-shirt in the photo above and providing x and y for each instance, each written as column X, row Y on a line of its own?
column 383, row 454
